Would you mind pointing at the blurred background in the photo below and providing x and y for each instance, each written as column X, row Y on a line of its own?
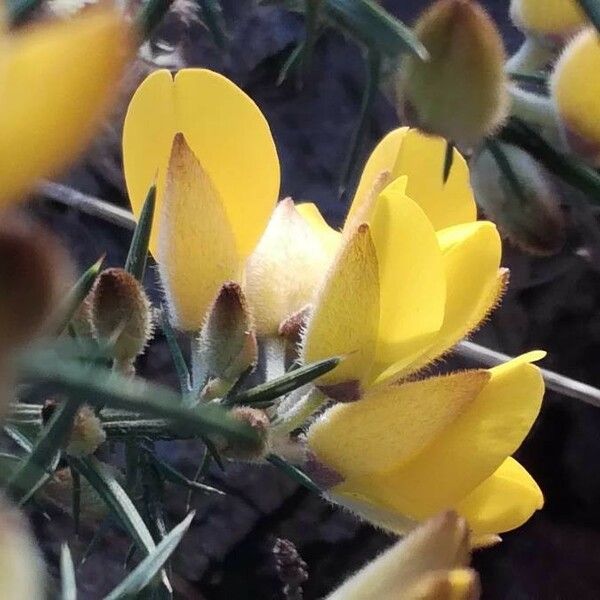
column 552, row 303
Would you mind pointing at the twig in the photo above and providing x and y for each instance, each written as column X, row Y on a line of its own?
column 554, row 381
column 87, row 204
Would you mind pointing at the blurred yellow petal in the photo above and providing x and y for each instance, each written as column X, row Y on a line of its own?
column 439, row 544
column 467, row 452
column 421, row 158
column 346, row 314
column 196, row 250
column 504, row 501
column 382, row 159
column 57, row 81
column 330, row 238
column 472, row 253
column 285, row 270
column 391, row 424
column 456, row 584
column 411, row 276
column 226, row 132
column 551, row 17
column 575, row 93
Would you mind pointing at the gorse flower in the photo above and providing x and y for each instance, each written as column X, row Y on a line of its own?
column 429, row 564
column 210, row 151
column 575, row 94
column 554, row 19
column 51, row 62
column 412, row 277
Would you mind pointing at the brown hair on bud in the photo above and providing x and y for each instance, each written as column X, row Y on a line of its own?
column 121, row 313
column 530, row 216
column 460, row 92
column 251, row 451
column 227, row 339
column 34, row 273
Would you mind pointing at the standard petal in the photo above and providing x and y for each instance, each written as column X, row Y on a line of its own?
column 411, row 276
column 226, row 132
column 55, row 93
column 381, row 160
column 346, row 313
column 391, row 424
column 468, row 451
column 285, row 270
column 504, row 501
column 472, row 254
column 421, row 158
column 330, row 238
column 196, row 250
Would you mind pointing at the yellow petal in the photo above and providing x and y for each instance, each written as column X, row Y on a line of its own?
column 382, row 159
column 467, row 452
column 285, row 270
column 504, row 501
column 391, row 424
column 440, row 544
column 421, row 158
column 411, row 276
column 456, row 584
column 345, row 318
column 196, row 250
column 472, row 253
column 330, row 238
column 57, row 81
column 575, row 93
column 226, row 132
column 551, row 17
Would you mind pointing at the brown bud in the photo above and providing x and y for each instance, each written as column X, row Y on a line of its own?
column 460, row 92
column 121, row 313
column 87, row 433
column 248, row 450
column 227, row 339
column 34, row 273
column 526, row 210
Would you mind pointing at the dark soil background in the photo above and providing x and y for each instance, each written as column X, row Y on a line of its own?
column 553, row 304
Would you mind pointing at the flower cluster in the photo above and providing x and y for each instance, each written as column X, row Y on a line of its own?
column 409, row 275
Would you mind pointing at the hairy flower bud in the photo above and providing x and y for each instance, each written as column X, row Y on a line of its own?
column 248, row 450
column 460, row 92
column 527, row 209
column 21, row 563
column 554, row 20
column 34, row 273
column 575, row 90
column 121, row 313
column 87, row 433
column 227, row 340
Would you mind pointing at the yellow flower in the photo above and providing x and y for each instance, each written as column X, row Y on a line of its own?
column 56, row 81
column 575, row 91
column 288, row 265
column 429, row 564
column 551, row 18
column 210, row 151
column 413, row 277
